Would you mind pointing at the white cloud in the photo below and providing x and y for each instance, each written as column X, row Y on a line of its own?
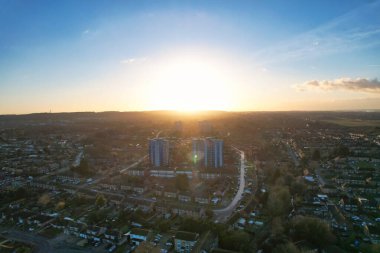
column 133, row 60
column 346, row 33
column 356, row 85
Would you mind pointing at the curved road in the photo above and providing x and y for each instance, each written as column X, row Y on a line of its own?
column 39, row 242
column 221, row 215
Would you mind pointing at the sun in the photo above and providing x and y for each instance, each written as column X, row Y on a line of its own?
column 190, row 84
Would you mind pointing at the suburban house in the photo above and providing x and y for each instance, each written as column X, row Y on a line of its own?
column 185, row 241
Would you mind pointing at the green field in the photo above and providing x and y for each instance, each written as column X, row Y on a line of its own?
column 354, row 122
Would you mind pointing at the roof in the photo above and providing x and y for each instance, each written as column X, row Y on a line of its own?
column 140, row 231
column 186, row 236
column 222, row 251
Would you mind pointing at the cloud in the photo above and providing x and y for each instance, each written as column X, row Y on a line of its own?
column 354, row 30
column 133, row 60
column 350, row 84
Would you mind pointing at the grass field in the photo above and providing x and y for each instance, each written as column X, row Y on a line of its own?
column 354, row 122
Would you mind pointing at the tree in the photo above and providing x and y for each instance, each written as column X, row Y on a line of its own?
column 100, row 200
column 235, row 240
column 209, row 213
column 182, row 182
column 278, row 203
column 23, row 249
column 286, row 248
column 313, row 230
column 97, row 216
column 316, row 155
column 20, row 193
column 297, row 187
column 83, row 168
column 195, row 225
column 163, row 226
column 341, row 150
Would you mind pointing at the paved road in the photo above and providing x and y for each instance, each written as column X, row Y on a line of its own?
column 221, row 215
column 134, row 164
column 319, row 177
column 76, row 162
column 292, row 155
column 42, row 244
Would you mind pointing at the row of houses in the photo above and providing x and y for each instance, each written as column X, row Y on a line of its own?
column 82, row 230
column 201, row 198
column 171, row 173
column 26, row 217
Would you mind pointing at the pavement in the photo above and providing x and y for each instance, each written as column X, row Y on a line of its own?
column 222, row 215
column 134, row 164
column 42, row 244
column 292, row 155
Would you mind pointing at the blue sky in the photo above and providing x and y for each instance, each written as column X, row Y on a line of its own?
column 259, row 55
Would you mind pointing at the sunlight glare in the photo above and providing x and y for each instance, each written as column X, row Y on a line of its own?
column 190, row 84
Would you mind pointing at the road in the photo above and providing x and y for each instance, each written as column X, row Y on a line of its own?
column 140, row 160
column 292, row 154
column 42, row 245
column 321, row 181
column 134, row 164
column 221, row 215
column 76, row 162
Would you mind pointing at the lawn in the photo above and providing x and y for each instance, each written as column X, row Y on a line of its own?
column 353, row 122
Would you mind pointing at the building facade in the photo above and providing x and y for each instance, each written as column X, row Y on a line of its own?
column 208, row 152
column 159, row 152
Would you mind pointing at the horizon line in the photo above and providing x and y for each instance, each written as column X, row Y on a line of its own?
column 190, row 112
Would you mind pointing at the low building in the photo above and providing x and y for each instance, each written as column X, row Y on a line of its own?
column 112, row 236
column 162, row 173
column 139, row 235
column 136, row 172
column 185, row 241
column 184, row 197
column 187, row 172
column 202, row 199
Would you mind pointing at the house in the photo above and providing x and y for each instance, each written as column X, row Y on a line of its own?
column 112, row 236
column 23, row 217
column 168, row 193
column 140, row 189
column 95, row 232
column 158, row 192
column 202, row 199
column 42, row 220
column 126, row 187
column 72, row 227
column 137, row 172
column 210, row 175
column 374, row 233
column 162, row 173
column 139, row 235
column 110, row 187
column 185, row 241
column 187, row 172
column 369, row 205
column 240, row 224
column 184, row 197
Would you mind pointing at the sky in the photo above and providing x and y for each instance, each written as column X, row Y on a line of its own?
column 65, row 56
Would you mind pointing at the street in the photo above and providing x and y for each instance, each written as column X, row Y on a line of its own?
column 42, row 245
column 221, row 215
